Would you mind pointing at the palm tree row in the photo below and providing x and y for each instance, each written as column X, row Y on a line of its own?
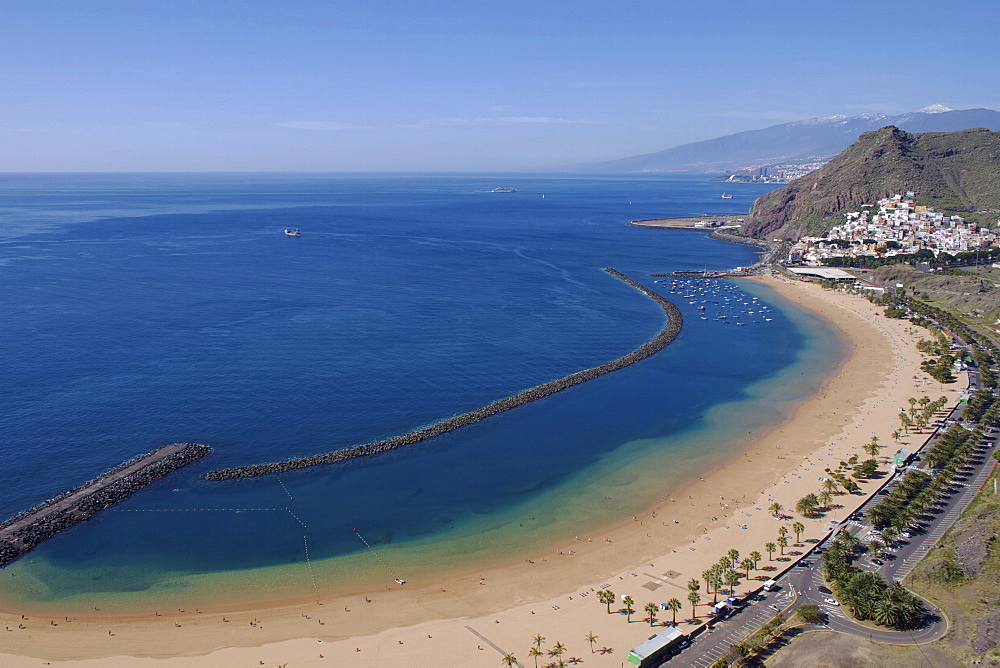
column 867, row 595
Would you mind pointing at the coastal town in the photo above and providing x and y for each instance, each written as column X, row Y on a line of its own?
column 893, row 226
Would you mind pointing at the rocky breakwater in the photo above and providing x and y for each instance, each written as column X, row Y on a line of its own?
column 29, row 528
column 666, row 335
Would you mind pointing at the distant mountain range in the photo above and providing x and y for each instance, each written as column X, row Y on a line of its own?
column 814, row 140
column 950, row 171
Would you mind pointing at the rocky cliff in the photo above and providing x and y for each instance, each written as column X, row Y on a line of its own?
column 951, row 171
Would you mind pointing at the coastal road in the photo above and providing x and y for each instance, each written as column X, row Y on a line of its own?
column 804, row 582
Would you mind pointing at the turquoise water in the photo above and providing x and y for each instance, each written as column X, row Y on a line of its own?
column 147, row 309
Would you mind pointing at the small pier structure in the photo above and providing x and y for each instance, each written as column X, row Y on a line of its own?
column 38, row 523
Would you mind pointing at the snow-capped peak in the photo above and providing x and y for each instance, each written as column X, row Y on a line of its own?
column 934, row 109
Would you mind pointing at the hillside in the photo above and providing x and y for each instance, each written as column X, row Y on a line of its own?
column 951, row 171
column 802, row 141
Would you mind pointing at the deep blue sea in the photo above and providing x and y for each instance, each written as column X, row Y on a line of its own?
column 145, row 309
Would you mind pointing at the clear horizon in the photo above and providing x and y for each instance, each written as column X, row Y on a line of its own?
column 309, row 86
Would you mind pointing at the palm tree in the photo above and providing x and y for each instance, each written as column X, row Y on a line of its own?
column 558, row 648
column 746, row 565
column 734, row 557
column 539, row 638
column 770, row 548
column 732, row 579
column 872, row 447
column 783, row 542
column 775, row 508
column 606, row 596
column 508, row 659
column 807, row 505
column 694, row 598
column 627, row 602
column 782, row 530
column 651, row 611
column 895, row 435
column 591, row 638
column 830, row 485
column 716, row 585
column 694, row 585
column 798, row 528
column 535, row 652
column 673, row 605
column 825, row 498
column 756, row 557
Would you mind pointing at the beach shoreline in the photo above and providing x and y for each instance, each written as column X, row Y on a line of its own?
column 469, row 615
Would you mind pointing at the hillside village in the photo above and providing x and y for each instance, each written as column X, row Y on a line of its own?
column 897, row 226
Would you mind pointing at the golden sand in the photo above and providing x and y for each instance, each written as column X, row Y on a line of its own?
column 474, row 618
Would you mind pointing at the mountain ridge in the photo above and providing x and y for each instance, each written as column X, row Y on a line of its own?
column 811, row 140
column 950, row 171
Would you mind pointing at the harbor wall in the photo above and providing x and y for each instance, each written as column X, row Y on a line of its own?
column 666, row 335
column 38, row 523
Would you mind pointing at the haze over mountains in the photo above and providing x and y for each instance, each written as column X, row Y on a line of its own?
column 813, row 140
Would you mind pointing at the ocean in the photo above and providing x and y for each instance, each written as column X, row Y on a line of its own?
column 144, row 309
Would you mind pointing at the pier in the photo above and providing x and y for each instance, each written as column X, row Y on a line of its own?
column 38, row 523
column 666, row 335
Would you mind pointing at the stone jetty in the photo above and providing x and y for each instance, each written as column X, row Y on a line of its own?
column 29, row 528
column 666, row 335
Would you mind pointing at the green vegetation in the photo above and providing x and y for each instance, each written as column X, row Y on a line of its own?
column 879, row 164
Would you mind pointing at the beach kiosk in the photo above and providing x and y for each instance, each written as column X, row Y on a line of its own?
column 654, row 649
column 901, row 457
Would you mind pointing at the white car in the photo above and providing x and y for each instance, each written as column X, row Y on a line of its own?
column 831, row 601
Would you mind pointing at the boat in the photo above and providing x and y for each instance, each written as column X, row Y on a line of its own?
column 726, row 196
column 292, row 233
column 503, row 189
column 400, row 581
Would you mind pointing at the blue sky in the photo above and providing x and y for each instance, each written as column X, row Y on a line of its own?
column 388, row 85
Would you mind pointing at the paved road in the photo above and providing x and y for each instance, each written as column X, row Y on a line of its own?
column 802, row 583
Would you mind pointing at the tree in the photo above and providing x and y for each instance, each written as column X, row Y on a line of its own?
column 539, row 638
column 731, row 578
column 825, row 498
column 628, row 602
column 783, row 542
column 673, row 605
column 810, row 614
column 651, row 612
column 508, row 660
column 747, row 565
column 716, row 584
column 694, row 598
column 607, row 597
column 756, row 557
column 830, row 485
column 535, row 653
column 591, row 638
column 782, row 530
column 558, row 648
column 734, row 557
column 798, row 528
column 770, row 548
column 807, row 505
column 775, row 508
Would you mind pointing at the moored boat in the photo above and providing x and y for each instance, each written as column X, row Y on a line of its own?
column 292, row 233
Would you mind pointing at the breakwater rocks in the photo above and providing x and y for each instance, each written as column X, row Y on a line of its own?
column 29, row 528
column 666, row 335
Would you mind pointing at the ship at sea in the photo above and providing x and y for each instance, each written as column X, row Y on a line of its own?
column 292, row 233
column 503, row 189
column 726, row 196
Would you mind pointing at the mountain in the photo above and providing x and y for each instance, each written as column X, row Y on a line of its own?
column 950, row 171
column 814, row 140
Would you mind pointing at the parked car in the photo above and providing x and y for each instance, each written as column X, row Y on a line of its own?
column 831, row 601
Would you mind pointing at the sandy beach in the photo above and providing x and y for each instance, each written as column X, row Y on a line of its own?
column 475, row 618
